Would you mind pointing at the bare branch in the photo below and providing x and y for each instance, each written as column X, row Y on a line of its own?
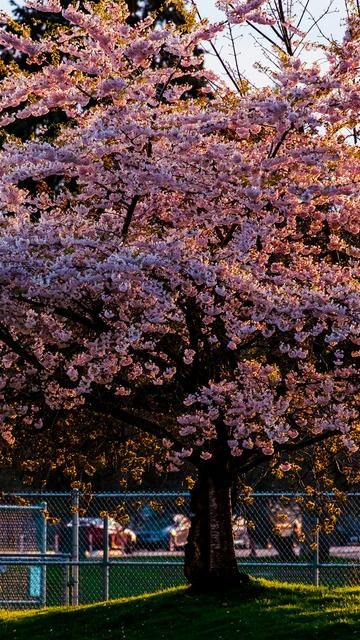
column 218, row 55
column 305, row 6
column 263, row 35
column 239, row 74
column 315, row 23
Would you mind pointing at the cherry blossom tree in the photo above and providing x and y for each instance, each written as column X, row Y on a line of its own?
column 194, row 274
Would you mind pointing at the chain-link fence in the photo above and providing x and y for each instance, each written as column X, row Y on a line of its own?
column 61, row 548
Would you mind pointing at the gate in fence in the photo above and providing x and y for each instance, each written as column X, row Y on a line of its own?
column 61, row 548
column 23, row 546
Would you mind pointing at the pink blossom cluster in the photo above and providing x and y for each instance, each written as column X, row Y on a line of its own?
column 241, row 11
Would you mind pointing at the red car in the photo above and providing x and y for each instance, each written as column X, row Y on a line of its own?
column 91, row 537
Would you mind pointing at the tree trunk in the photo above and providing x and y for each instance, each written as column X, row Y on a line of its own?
column 210, row 562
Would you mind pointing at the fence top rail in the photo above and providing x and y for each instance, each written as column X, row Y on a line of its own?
column 22, row 507
column 69, row 562
column 97, row 494
column 148, row 494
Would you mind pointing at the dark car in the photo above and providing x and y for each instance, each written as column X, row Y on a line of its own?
column 152, row 528
column 159, row 530
column 346, row 532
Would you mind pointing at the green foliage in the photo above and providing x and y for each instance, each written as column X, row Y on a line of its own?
column 277, row 610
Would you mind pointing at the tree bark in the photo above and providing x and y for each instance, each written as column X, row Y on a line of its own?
column 210, row 562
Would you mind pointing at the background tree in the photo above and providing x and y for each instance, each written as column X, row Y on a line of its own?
column 195, row 275
column 29, row 21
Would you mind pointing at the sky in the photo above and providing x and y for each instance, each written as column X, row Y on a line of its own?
column 248, row 51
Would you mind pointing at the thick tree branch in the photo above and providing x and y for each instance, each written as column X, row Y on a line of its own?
column 260, row 458
column 225, row 238
column 94, row 323
column 129, row 215
column 101, row 404
column 307, row 442
column 274, row 150
column 284, row 30
column 15, row 346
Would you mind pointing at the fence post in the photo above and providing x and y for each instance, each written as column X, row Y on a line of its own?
column 316, row 555
column 67, row 582
column 43, row 550
column 106, row 567
column 75, row 548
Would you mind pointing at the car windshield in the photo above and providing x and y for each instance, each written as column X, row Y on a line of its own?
column 151, row 519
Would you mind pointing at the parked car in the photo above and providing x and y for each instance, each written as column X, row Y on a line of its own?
column 346, row 532
column 180, row 531
column 286, row 522
column 161, row 530
column 91, row 536
column 241, row 535
column 152, row 528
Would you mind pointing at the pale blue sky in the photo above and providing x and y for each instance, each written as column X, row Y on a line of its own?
column 247, row 49
column 4, row 5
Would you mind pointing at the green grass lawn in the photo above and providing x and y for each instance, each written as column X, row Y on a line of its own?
column 135, row 576
column 277, row 611
column 139, row 577
column 126, row 580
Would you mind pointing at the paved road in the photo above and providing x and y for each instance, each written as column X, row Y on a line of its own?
column 350, row 552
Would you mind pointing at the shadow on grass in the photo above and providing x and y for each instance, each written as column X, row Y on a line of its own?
column 276, row 612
